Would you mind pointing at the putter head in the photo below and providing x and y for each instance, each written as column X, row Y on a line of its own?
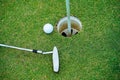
column 55, row 57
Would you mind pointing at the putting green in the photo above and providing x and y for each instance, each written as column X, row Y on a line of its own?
column 92, row 54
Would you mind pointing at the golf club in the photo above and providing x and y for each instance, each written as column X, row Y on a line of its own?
column 55, row 56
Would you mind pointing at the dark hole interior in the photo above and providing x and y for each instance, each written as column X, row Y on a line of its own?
column 72, row 33
column 64, row 34
column 76, row 33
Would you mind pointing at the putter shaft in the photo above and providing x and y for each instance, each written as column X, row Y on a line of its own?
column 19, row 48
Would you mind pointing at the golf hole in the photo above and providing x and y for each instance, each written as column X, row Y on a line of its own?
column 62, row 26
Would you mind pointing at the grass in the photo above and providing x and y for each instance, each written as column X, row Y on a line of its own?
column 93, row 54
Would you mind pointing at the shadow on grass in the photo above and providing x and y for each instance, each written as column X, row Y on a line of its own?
column 113, row 36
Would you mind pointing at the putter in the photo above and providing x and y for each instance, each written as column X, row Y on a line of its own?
column 55, row 56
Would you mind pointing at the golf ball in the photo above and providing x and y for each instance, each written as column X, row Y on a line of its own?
column 48, row 28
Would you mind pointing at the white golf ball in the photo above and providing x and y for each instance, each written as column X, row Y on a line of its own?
column 48, row 28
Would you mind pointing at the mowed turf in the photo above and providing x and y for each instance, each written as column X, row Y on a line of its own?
column 93, row 54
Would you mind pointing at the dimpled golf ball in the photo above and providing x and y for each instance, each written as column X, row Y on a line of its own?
column 48, row 28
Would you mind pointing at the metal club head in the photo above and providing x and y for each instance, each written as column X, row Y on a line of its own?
column 55, row 58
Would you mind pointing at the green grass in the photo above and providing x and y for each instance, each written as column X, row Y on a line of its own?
column 93, row 54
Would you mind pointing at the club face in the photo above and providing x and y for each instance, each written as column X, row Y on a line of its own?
column 55, row 57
